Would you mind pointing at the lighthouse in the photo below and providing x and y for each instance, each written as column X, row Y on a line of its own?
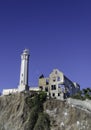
column 23, row 83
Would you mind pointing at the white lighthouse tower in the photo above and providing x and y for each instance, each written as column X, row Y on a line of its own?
column 23, row 84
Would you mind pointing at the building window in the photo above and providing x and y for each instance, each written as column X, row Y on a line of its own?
column 58, row 78
column 53, row 87
column 49, row 94
column 54, row 80
column 46, row 89
column 41, row 87
column 53, row 94
column 47, row 81
column 58, row 94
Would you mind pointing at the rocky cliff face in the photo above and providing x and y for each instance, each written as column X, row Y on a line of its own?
column 66, row 116
column 13, row 112
column 25, row 112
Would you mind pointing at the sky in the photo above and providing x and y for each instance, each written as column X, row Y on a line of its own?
column 57, row 33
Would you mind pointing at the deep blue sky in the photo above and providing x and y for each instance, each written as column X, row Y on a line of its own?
column 58, row 34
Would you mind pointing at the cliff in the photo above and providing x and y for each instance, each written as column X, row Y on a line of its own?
column 69, row 115
column 23, row 111
column 27, row 111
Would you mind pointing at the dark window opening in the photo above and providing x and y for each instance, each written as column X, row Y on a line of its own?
column 58, row 94
column 53, row 94
column 55, row 72
column 46, row 89
column 49, row 94
column 21, row 81
column 41, row 87
column 54, row 80
column 53, row 87
column 47, row 81
column 58, row 78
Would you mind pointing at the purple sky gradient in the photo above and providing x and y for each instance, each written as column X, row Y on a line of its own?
column 57, row 33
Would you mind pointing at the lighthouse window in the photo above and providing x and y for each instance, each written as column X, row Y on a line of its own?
column 21, row 81
column 55, row 72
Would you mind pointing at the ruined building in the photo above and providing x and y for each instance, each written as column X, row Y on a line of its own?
column 57, row 85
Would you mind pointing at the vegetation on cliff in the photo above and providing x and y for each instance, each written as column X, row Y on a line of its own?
column 31, row 111
column 83, row 94
column 38, row 120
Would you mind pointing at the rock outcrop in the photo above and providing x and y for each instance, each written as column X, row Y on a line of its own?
column 27, row 111
column 23, row 111
column 66, row 115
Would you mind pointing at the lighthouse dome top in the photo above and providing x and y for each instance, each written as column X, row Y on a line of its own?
column 26, row 51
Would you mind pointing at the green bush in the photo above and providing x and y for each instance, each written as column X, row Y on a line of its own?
column 42, row 96
column 37, row 120
column 82, row 95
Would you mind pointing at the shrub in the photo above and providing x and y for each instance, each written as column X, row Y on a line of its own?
column 37, row 120
column 42, row 96
column 82, row 95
